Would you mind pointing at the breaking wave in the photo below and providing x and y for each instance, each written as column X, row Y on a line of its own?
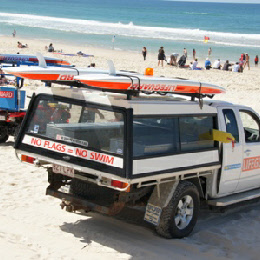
column 129, row 30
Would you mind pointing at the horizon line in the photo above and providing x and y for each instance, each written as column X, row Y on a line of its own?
column 215, row 1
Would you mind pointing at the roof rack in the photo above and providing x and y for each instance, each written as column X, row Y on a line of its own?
column 132, row 92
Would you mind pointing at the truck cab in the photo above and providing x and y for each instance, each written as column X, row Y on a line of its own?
column 103, row 151
column 240, row 159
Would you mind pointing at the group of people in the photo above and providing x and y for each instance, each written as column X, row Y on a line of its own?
column 227, row 66
column 185, row 53
column 162, row 57
column 237, row 67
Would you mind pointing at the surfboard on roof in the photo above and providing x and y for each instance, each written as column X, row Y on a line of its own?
column 22, row 59
column 112, row 80
column 147, row 84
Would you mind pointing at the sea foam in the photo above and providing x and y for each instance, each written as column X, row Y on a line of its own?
column 129, row 30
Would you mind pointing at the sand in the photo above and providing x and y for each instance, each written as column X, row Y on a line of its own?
column 34, row 227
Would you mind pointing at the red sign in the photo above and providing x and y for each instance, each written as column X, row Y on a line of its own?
column 74, row 151
column 6, row 94
column 66, row 77
column 251, row 163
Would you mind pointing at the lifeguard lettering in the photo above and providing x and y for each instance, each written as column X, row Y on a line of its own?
column 6, row 94
column 66, row 77
column 13, row 58
column 251, row 163
column 154, row 87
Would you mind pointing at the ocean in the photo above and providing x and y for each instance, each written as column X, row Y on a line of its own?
column 232, row 28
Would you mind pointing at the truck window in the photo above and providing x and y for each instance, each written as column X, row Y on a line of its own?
column 160, row 135
column 191, row 129
column 231, row 123
column 251, row 126
column 152, row 136
column 78, row 125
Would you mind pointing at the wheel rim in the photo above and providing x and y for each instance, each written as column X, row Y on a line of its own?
column 184, row 212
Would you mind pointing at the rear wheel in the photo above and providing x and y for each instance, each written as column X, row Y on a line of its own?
column 16, row 131
column 3, row 134
column 179, row 217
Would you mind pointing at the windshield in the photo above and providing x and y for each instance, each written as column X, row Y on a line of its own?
column 78, row 124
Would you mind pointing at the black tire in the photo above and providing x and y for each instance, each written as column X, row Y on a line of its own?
column 176, row 222
column 16, row 131
column 3, row 134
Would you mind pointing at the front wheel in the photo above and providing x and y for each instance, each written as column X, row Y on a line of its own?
column 179, row 217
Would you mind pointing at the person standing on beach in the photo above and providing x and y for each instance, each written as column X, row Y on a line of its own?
column 14, row 33
column 144, row 52
column 161, row 56
column 256, row 60
column 185, row 53
column 247, row 62
column 209, row 51
column 194, row 54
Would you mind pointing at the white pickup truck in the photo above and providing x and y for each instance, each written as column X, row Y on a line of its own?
column 104, row 152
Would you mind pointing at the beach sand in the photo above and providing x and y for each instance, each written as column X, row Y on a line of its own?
column 34, row 227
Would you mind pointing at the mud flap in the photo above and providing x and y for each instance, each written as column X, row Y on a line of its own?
column 161, row 196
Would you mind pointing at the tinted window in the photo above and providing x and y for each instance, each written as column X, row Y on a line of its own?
column 192, row 130
column 155, row 136
column 78, row 125
column 251, row 126
column 231, row 123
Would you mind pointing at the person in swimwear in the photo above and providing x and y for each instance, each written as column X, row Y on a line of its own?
column 185, row 53
column 247, row 62
column 161, row 56
column 209, row 51
column 256, row 60
column 144, row 52
column 194, row 54
column 20, row 45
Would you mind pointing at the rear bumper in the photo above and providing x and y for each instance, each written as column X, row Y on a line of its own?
column 73, row 203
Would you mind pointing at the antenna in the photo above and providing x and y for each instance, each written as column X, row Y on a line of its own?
column 42, row 62
column 200, row 98
column 111, row 67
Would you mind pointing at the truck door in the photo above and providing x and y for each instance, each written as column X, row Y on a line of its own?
column 231, row 152
column 250, row 174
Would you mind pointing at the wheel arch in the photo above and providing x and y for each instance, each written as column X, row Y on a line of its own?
column 199, row 183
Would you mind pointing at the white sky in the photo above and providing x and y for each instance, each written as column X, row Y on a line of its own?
column 224, row 1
